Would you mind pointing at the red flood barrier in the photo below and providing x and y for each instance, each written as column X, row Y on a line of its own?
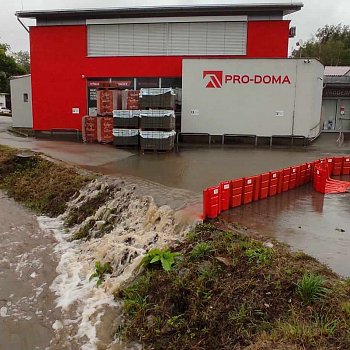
column 330, row 163
column 324, row 184
column 320, row 176
column 257, row 185
column 309, row 169
column 346, row 166
column 225, row 194
column 236, row 193
column 338, row 166
column 286, row 179
column 264, row 187
column 211, row 202
column 248, row 190
column 293, row 180
column 280, row 181
column 274, row 177
column 302, row 177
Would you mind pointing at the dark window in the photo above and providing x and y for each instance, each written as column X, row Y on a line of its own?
column 172, row 82
column 147, row 83
column 25, row 97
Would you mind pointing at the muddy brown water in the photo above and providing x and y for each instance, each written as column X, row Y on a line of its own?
column 27, row 268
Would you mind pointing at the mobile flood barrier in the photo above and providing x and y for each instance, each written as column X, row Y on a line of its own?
column 245, row 190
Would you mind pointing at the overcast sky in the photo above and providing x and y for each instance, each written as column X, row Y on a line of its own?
column 315, row 14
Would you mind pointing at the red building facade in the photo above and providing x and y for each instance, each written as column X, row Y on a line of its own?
column 61, row 64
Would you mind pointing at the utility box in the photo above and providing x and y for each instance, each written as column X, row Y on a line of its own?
column 261, row 97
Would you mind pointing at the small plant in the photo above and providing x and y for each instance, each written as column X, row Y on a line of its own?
column 311, row 288
column 208, row 271
column 177, row 322
column 134, row 303
column 346, row 308
column 191, row 236
column 260, row 255
column 201, row 250
column 238, row 316
column 163, row 257
column 100, row 272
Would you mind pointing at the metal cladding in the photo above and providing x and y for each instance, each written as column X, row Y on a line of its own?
column 248, row 189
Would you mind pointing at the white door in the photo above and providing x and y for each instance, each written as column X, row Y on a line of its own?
column 343, row 115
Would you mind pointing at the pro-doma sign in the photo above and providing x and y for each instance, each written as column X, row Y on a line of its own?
column 262, row 97
column 216, row 79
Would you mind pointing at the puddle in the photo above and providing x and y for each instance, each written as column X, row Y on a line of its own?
column 307, row 221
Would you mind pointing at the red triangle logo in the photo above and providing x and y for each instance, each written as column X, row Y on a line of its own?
column 211, row 85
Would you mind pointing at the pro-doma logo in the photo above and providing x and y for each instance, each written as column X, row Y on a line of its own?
column 217, row 79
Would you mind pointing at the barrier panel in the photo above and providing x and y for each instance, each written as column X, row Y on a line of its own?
column 225, row 194
column 257, row 185
column 211, row 202
column 280, row 181
column 302, row 176
column 309, row 169
column 320, row 176
column 293, row 180
column 248, row 190
column 236, row 193
column 264, row 187
column 338, row 166
column 273, row 185
column 286, row 178
column 346, row 166
column 330, row 163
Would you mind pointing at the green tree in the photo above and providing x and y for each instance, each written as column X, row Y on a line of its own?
column 331, row 45
column 8, row 68
column 23, row 60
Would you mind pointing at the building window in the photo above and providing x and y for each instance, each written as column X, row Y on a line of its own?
column 25, row 97
column 167, row 39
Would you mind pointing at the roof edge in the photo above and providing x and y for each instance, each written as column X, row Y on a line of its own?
column 284, row 8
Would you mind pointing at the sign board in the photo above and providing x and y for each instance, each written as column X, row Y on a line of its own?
column 261, row 97
column 332, row 92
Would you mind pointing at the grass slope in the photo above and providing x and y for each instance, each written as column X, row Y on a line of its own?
column 228, row 291
column 40, row 184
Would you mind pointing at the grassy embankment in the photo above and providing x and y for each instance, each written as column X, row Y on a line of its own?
column 40, row 184
column 229, row 291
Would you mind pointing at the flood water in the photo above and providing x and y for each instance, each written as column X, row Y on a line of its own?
column 306, row 220
column 27, row 268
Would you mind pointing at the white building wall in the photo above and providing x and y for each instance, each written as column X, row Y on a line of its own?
column 21, row 111
column 2, row 100
column 262, row 97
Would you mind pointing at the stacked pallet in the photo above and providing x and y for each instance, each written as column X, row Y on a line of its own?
column 126, row 127
column 157, row 119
